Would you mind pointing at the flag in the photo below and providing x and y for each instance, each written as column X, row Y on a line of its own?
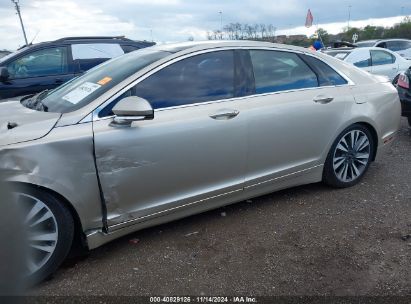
column 309, row 19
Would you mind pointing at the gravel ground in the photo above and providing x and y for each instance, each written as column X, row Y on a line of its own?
column 309, row 240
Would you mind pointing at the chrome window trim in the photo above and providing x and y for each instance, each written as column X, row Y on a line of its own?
column 95, row 115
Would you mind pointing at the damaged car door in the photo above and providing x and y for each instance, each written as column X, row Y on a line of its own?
column 192, row 152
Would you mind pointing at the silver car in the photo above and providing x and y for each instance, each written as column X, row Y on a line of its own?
column 173, row 130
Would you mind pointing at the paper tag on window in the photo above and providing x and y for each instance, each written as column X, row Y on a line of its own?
column 104, row 80
column 81, row 92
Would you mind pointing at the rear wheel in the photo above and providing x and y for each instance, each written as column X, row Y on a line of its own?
column 49, row 231
column 349, row 157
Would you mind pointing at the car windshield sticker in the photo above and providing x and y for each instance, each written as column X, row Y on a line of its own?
column 104, row 80
column 81, row 92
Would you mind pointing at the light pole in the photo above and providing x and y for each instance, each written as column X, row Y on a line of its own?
column 16, row 3
column 221, row 24
column 349, row 17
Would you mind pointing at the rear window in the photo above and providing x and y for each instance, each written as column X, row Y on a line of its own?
column 365, row 44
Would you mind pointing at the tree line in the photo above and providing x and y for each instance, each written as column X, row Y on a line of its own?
column 238, row 31
column 267, row 32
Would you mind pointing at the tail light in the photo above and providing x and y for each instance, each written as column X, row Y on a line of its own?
column 403, row 81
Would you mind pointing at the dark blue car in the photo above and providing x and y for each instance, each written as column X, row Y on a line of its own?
column 46, row 65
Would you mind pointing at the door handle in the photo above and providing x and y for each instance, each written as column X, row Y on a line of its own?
column 225, row 114
column 323, row 99
column 59, row 81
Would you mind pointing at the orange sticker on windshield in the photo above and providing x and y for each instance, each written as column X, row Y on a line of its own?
column 104, row 81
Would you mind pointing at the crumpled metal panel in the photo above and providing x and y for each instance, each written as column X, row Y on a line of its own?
column 19, row 124
column 63, row 162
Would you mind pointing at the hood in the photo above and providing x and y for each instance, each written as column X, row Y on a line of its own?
column 19, row 124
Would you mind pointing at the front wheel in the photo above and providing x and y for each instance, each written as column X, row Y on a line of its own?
column 49, row 233
column 349, row 157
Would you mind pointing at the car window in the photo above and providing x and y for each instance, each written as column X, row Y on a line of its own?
column 338, row 55
column 200, row 78
column 398, row 45
column 96, row 50
column 279, row 71
column 326, row 75
column 365, row 44
column 360, row 58
column 45, row 62
column 381, row 58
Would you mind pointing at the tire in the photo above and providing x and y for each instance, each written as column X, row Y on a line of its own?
column 50, row 231
column 346, row 168
column 409, row 121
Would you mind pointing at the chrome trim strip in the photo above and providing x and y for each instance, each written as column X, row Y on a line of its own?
column 147, row 217
column 282, row 177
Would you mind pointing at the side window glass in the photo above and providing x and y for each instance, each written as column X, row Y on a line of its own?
column 200, row 78
column 396, row 45
column 87, row 56
column 326, row 75
column 381, row 58
column 96, row 50
column 360, row 58
column 45, row 62
column 280, row 71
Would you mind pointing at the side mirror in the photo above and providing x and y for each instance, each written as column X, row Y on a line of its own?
column 4, row 74
column 131, row 109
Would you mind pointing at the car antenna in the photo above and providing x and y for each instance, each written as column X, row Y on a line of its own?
column 35, row 36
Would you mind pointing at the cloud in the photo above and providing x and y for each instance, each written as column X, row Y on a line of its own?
column 175, row 20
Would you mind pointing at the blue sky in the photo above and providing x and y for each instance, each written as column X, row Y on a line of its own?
column 177, row 20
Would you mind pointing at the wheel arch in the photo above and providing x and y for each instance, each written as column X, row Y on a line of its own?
column 374, row 137
column 79, row 245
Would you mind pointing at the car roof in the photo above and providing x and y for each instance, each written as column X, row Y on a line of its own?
column 88, row 39
column 371, row 40
column 212, row 44
column 384, row 40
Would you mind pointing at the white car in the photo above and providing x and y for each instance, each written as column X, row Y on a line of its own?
column 373, row 60
column 400, row 46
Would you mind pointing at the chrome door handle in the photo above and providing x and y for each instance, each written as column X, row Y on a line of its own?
column 225, row 114
column 323, row 99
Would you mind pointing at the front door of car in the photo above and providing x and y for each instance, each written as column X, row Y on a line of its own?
column 384, row 63
column 294, row 115
column 36, row 71
column 193, row 151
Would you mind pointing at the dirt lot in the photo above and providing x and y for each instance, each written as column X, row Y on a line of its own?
column 310, row 240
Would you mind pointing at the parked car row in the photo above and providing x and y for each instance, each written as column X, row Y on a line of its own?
column 374, row 60
column 383, row 57
column 169, row 131
column 400, row 46
column 47, row 65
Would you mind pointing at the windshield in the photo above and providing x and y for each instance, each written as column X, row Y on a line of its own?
column 365, row 44
column 86, row 88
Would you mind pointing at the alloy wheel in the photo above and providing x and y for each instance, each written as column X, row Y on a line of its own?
column 351, row 156
column 41, row 232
